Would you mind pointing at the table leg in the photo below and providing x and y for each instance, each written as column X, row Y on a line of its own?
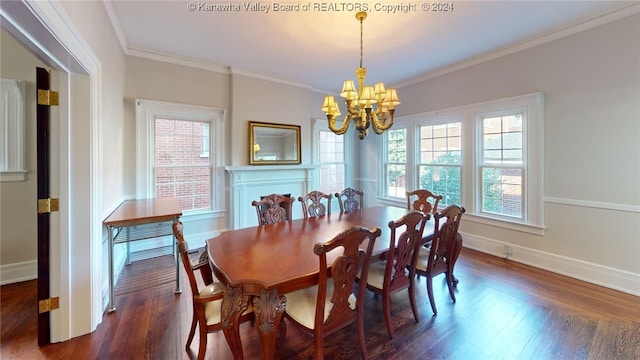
column 234, row 304
column 112, row 294
column 269, row 308
column 177, row 255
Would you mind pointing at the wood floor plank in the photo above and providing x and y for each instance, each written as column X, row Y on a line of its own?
column 504, row 310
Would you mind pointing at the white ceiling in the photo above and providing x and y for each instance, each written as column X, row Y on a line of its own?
column 321, row 49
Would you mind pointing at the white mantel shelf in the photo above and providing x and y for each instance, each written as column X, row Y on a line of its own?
column 232, row 169
column 248, row 183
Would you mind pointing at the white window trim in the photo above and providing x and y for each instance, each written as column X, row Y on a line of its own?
column 146, row 113
column 438, row 119
column 12, row 123
column 322, row 125
column 469, row 115
column 409, row 171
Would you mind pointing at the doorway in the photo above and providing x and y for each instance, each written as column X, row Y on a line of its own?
column 75, row 270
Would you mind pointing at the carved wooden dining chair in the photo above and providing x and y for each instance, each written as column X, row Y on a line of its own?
column 331, row 305
column 207, row 300
column 423, row 200
column 440, row 257
column 350, row 203
column 312, row 205
column 273, row 208
column 397, row 271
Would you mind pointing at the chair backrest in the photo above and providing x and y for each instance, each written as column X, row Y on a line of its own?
column 443, row 243
column 426, row 201
column 203, row 265
column 350, row 203
column 403, row 249
column 312, row 204
column 343, row 275
column 273, row 208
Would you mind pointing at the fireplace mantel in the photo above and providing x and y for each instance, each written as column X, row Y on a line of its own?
column 248, row 183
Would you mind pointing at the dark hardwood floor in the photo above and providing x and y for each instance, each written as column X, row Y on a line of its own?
column 504, row 310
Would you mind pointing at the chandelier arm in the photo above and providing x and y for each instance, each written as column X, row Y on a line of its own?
column 343, row 128
column 380, row 126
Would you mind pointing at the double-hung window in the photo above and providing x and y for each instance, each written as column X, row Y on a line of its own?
column 331, row 157
column 440, row 160
column 486, row 157
column 501, row 167
column 182, row 166
column 180, row 153
column 395, row 167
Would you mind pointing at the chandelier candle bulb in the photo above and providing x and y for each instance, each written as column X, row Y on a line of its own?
column 360, row 104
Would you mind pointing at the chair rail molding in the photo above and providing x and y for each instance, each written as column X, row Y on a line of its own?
column 248, row 183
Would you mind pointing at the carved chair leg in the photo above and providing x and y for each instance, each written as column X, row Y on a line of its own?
column 430, row 293
column 386, row 309
column 192, row 332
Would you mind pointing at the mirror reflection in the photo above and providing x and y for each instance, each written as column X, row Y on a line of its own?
column 271, row 143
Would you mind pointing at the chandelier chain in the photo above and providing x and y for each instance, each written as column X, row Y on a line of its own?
column 361, row 46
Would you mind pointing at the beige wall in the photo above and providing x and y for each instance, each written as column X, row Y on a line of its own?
column 591, row 86
column 254, row 99
column 18, row 200
column 161, row 81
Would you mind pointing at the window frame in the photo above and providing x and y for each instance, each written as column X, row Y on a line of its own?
column 322, row 125
column 386, row 163
column 147, row 111
column 532, row 108
column 435, row 121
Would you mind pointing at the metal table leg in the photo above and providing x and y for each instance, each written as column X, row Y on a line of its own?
column 112, row 294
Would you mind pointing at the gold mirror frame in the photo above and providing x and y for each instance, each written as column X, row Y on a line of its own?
column 274, row 144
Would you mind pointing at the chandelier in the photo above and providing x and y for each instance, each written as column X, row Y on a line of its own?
column 360, row 103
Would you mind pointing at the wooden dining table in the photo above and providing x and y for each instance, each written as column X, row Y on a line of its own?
column 264, row 263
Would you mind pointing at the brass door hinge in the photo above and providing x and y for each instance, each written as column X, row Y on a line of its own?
column 47, row 205
column 49, row 304
column 47, row 97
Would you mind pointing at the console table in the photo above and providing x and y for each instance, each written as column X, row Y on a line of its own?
column 137, row 220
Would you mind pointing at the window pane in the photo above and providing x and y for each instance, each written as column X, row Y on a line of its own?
column 503, row 140
column 396, row 158
column 442, row 180
column 441, row 146
column 396, row 181
column 332, row 178
column 331, row 159
column 182, row 162
column 397, row 146
column 502, row 191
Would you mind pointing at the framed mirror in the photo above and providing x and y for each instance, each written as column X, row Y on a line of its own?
column 273, row 144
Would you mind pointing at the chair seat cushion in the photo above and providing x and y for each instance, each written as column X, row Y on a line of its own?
column 423, row 258
column 301, row 304
column 375, row 278
column 212, row 309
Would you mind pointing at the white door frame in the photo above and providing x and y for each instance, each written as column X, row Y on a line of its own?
column 76, row 259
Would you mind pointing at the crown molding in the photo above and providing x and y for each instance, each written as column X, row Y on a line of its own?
column 173, row 59
column 549, row 36
column 255, row 75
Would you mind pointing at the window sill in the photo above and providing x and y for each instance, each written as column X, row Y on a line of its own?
column 510, row 225
column 198, row 215
column 505, row 224
column 13, row 176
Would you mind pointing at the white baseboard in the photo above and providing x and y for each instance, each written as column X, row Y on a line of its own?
column 612, row 278
column 17, row 272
